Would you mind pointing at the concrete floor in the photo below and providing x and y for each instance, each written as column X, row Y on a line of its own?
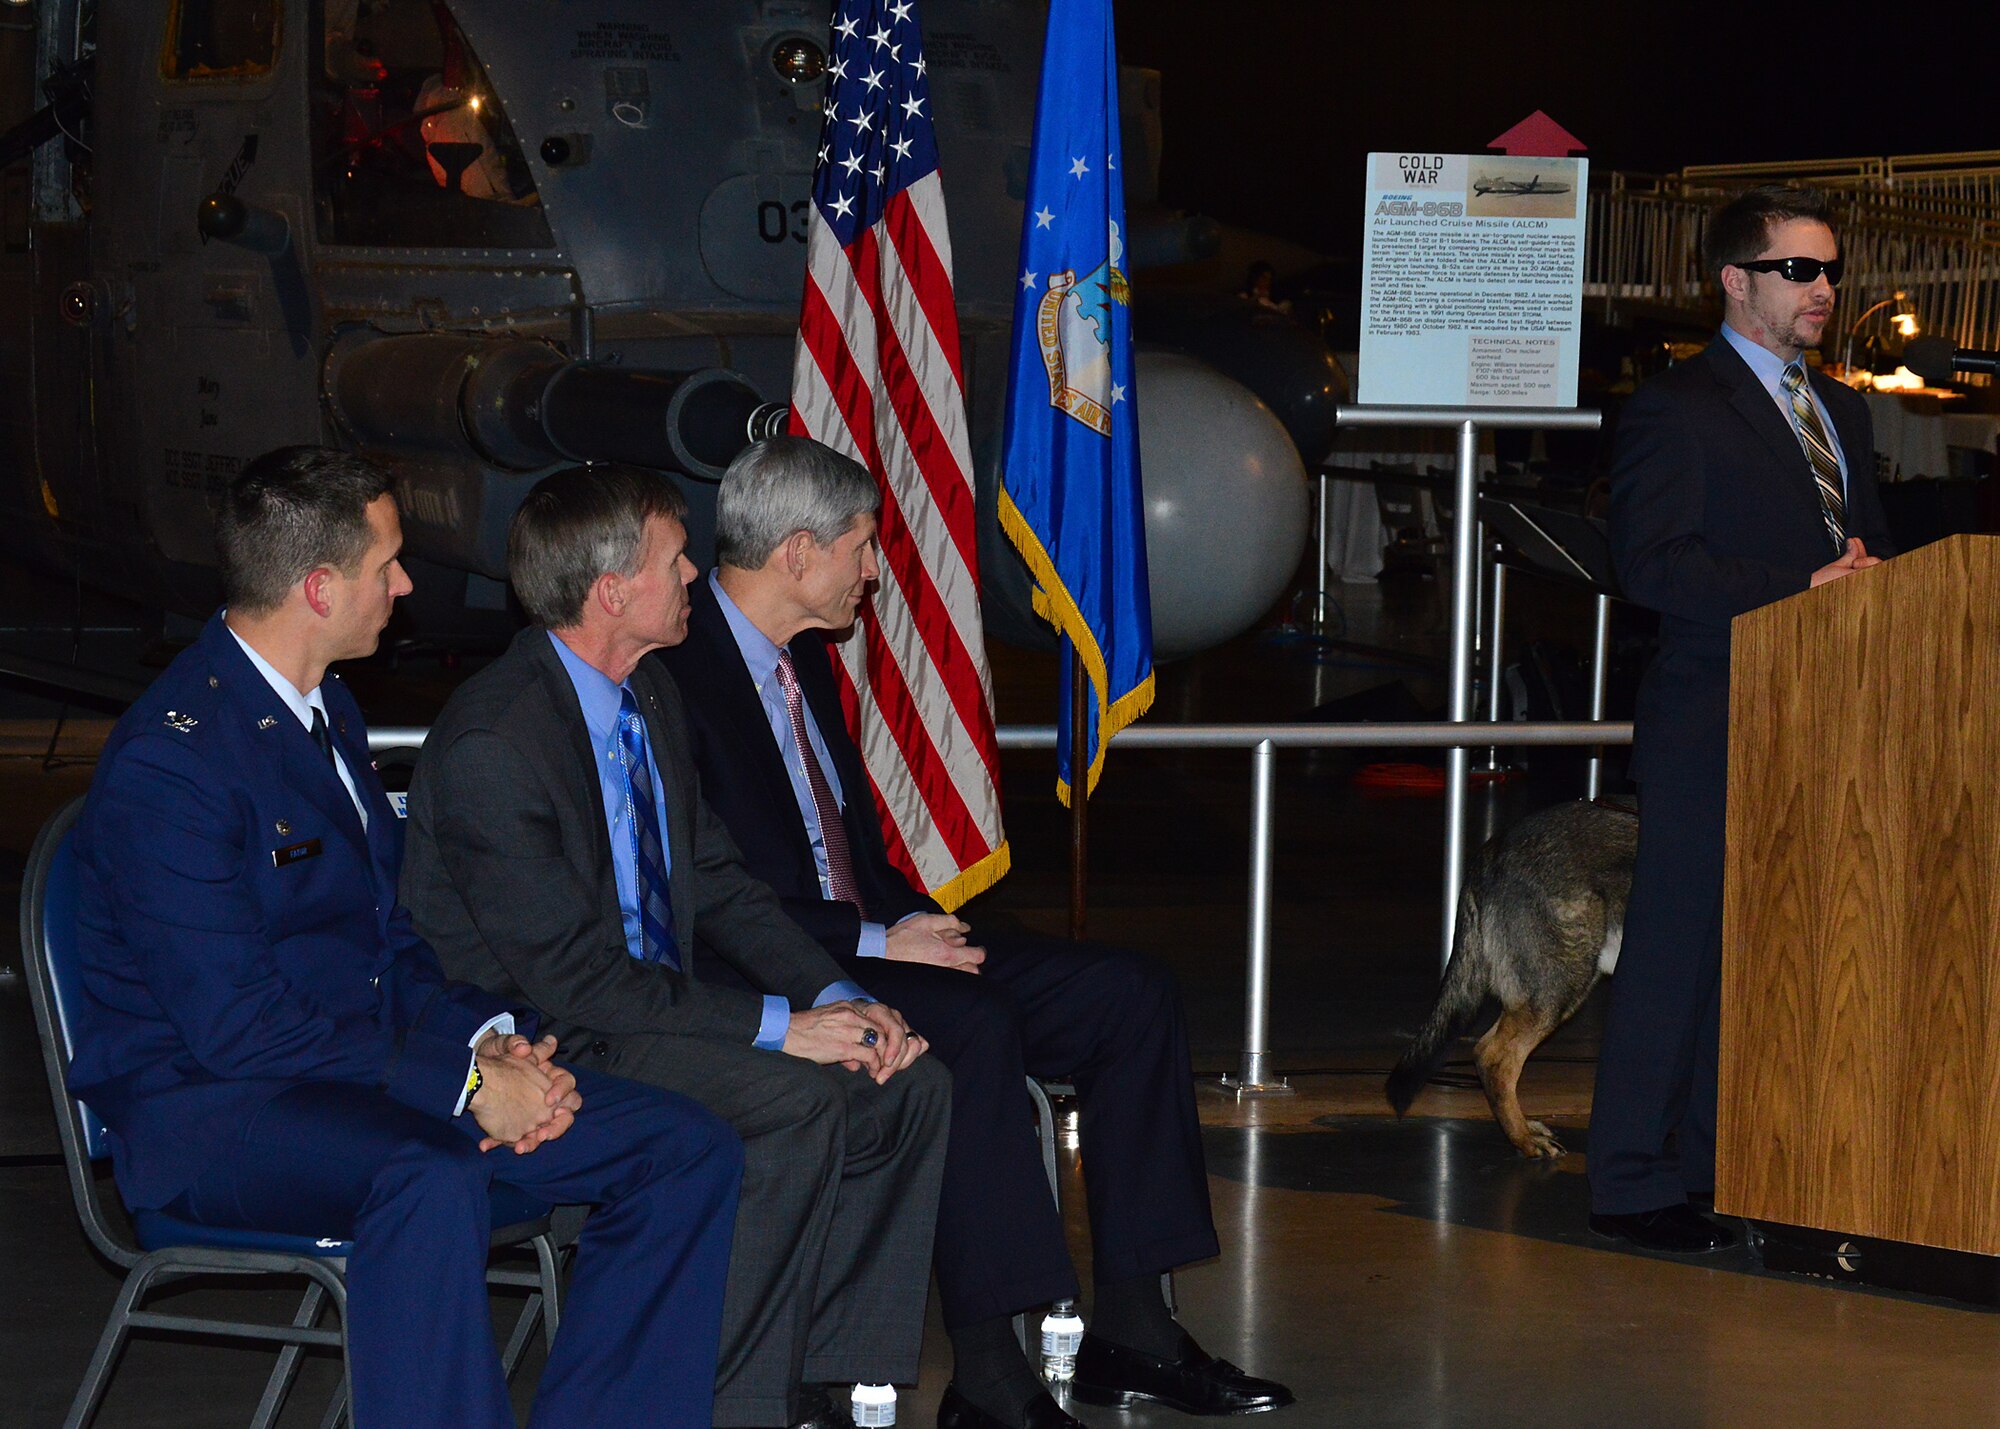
column 1410, row 1273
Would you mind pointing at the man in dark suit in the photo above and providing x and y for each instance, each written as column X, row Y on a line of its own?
column 560, row 851
column 1740, row 477
column 796, row 527
column 273, row 1049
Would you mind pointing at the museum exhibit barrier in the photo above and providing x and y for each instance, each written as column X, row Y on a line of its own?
column 1860, row 1050
column 1254, row 1074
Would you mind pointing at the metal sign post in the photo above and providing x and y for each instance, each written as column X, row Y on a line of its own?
column 1465, row 538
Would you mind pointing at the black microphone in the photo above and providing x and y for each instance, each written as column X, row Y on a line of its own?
column 1934, row 359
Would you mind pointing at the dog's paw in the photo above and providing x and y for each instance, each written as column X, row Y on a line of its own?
column 1542, row 1143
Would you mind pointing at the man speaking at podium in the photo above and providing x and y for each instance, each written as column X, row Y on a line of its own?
column 1739, row 477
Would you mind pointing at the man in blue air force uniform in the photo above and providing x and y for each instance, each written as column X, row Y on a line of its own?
column 273, row 1048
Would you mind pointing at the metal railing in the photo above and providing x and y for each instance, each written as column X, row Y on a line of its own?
column 1254, row 1073
column 1927, row 225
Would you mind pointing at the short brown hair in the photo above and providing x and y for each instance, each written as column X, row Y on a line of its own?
column 577, row 524
column 289, row 512
column 1739, row 230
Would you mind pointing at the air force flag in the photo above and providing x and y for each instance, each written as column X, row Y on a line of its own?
column 1070, row 496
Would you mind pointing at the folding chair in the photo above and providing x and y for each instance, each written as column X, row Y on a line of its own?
column 1045, row 1127
column 166, row 1249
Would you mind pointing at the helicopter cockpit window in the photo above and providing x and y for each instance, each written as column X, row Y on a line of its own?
column 413, row 150
column 220, row 39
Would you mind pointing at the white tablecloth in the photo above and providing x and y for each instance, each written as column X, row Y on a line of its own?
column 1913, row 445
column 1357, row 536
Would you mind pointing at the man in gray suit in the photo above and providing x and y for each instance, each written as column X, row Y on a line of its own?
column 559, row 852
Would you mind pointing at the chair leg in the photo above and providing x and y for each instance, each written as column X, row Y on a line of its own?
column 343, row 1397
column 550, row 1258
column 1045, row 1123
column 97, row 1377
column 287, row 1368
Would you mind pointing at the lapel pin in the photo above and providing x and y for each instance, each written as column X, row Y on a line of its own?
column 178, row 721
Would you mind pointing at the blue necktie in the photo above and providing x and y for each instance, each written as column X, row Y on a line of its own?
column 656, row 914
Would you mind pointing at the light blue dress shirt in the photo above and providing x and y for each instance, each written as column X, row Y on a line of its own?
column 760, row 658
column 1770, row 370
column 601, row 699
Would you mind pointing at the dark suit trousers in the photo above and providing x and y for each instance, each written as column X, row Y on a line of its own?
column 830, row 1266
column 1110, row 1021
column 641, row 1319
column 1656, row 1074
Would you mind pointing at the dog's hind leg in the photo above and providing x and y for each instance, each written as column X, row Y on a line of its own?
column 1501, row 1054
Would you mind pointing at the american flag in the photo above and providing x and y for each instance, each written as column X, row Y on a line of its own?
column 877, row 376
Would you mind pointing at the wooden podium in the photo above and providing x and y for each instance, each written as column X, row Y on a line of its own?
column 1860, row 1053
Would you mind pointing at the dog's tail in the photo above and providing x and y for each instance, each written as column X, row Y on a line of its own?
column 1460, row 998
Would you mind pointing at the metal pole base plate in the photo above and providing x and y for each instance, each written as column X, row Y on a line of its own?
column 1231, row 1085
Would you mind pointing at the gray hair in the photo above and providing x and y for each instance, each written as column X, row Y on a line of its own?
column 578, row 524
column 784, row 485
column 289, row 512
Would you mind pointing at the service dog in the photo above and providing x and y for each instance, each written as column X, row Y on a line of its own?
column 1540, row 919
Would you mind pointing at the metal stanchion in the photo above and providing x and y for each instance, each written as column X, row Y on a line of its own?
column 1465, row 537
column 1465, row 559
column 1600, row 674
column 1254, row 1076
column 1497, row 613
column 1322, row 597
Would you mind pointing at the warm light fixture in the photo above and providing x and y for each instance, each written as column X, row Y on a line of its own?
column 1901, row 380
column 1904, row 321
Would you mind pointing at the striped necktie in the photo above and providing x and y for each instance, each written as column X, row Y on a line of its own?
column 656, row 914
column 1819, row 451
column 832, row 832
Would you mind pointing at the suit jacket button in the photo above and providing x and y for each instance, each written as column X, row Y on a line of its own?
column 600, row 1048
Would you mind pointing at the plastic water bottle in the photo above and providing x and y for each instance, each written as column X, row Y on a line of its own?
column 1062, row 1334
column 874, row 1404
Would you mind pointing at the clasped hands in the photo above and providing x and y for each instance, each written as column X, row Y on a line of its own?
column 1854, row 558
column 524, row 1098
column 866, row 1037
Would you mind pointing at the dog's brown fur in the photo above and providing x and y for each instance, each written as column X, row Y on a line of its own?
column 1540, row 919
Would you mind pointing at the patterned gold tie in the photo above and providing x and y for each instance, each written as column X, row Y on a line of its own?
column 1819, row 451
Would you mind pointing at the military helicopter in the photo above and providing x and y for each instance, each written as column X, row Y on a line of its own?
column 479, row 239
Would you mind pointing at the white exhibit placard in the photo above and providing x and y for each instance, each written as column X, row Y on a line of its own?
column 1472, row 280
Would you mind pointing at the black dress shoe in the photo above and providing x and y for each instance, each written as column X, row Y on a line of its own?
column 955, row 1411
column 1194, row 1382
column 817, row 1411
column 1671, row 1230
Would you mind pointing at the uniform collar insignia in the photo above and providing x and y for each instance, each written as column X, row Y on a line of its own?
column 178, row 721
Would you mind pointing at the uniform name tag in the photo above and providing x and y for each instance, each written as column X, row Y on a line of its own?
column 292, row 853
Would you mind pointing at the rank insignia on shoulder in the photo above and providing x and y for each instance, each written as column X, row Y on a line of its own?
column 183, row 723
column 266, row 722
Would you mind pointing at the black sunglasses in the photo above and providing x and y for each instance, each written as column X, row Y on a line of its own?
column 1796, row 270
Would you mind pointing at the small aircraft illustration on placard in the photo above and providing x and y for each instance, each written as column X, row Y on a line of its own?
column 1512, row 187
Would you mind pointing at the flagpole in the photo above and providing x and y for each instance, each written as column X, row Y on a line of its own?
column 1079, row 791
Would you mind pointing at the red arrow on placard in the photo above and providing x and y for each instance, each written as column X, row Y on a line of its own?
column 1539, row 136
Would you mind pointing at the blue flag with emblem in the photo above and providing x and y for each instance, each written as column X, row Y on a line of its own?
column 1069, row 488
